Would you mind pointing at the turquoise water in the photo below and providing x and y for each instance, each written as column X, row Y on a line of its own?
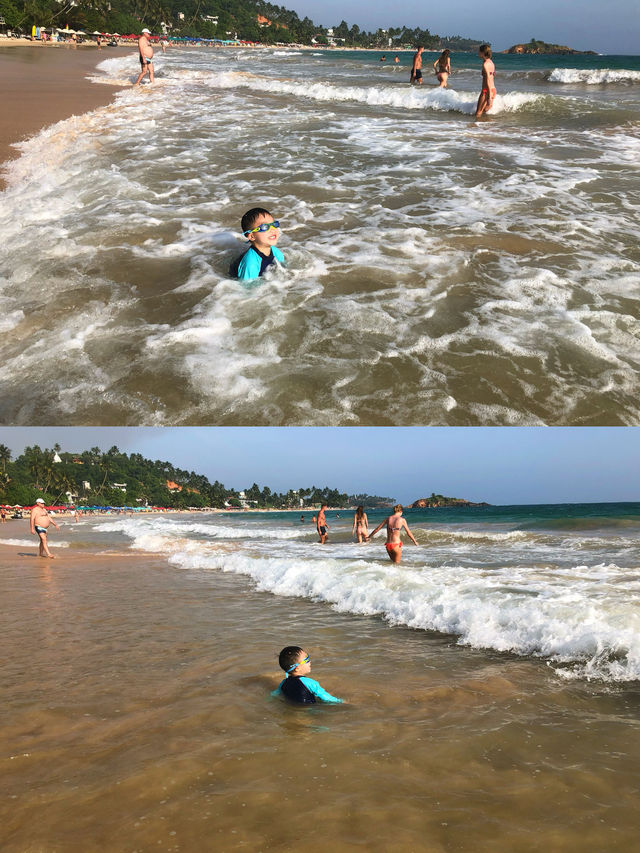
column 517, row 516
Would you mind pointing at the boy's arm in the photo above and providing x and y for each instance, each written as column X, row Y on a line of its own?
column 249, row 266
column 319, row 692
column 278, row 690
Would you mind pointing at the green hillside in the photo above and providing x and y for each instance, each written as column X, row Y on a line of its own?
column 118, row 479
column 249, row 20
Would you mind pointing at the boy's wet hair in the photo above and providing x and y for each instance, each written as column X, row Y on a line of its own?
column 251, row 217
column 485, row 50
column 288, row 656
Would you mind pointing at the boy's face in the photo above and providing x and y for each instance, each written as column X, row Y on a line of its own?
column 264, row 240
column 302, row 668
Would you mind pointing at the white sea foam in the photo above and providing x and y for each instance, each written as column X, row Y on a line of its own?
column 581, row 617
column 592, row 76
column 30, row 543
column 509, row 244
column 215, row 530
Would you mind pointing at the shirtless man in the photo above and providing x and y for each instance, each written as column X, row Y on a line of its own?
column 395, row 525
column 40, row 521
column 416, row 68
column 322, row 526
column 488, row 93
column 146, row 57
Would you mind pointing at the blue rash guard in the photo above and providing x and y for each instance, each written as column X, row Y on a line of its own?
column 253, row 263
column 304, row 691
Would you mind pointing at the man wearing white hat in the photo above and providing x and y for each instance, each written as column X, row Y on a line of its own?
column 40, row 521
column 146, row 56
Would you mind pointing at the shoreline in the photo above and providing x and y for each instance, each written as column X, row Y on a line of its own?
column 39, row 88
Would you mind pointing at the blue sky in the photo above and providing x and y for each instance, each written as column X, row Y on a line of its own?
column 606, row 27
column 499, row 465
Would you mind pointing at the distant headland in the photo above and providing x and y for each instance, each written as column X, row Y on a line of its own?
column 542, row 47
column 442, row 501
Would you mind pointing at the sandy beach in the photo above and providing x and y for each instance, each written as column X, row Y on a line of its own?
column 137, row 716
column 40, row 85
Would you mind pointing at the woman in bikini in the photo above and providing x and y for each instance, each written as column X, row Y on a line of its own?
column 442, row 67
column 488, row 93
column 395, row 525
column 360, row 525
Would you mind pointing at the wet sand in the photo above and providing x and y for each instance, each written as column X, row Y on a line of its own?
column 137, row 716
column 41, row 85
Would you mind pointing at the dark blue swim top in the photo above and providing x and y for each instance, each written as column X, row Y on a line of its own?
column 304, row 691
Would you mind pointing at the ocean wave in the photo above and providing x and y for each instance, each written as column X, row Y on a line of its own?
column 592, row 76
column 581, row 619
column 403, row 97
column 133, row 528
column 441, row 100
column 29, row 543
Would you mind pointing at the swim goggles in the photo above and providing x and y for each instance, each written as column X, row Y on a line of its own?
column 304, row 660
column 264, row 227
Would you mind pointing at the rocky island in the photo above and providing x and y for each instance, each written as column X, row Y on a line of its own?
column 442, row 501
column 542, row 47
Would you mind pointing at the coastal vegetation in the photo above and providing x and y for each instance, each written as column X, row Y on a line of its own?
column 91, row 477
column 535, row 46
column 247, row 20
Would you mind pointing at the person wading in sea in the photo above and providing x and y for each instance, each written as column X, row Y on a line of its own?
column 395, row 525
column 146, row 57
column 416, row 68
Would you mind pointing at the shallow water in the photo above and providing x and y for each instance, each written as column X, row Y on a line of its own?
column 137, row 717
column 440, row 271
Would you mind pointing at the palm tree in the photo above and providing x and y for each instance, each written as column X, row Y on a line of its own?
column 5, row 455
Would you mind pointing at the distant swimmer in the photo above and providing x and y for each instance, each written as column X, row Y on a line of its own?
column 488, row 93
column 360, row 525
column 302, row 519
column 395, row 525
column 263, row 232
column 383, row 58
column 146, row 56
column 442, row 67
column 416, row 68
column 321, row 525
column 296, row 686
column 40, row 521
column 396, row 59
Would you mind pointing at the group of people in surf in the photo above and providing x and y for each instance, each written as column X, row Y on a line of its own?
column 442, row 69
column 394, row 523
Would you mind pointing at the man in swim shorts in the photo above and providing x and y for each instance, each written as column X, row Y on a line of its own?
column 395, row 525
column 488, row 93
column 40, row 521
column 146, row 56
column 416, row 68
column 321, row 525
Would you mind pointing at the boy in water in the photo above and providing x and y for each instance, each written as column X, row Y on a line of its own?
column 296, row 687
column 262, row 232
column 488, row 93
